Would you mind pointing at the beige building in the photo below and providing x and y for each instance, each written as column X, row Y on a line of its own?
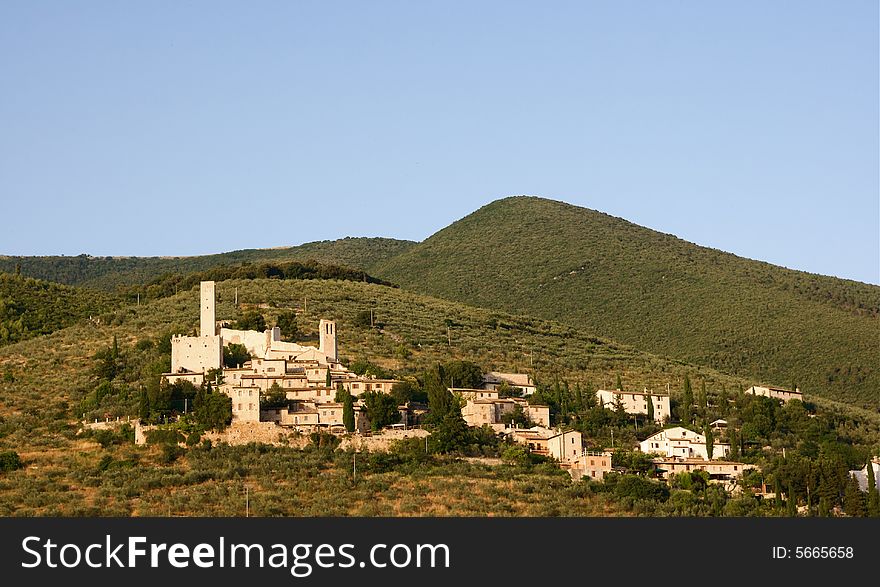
column 491, row 412
column 494, row 379
column 309, row 416
column 471, row 394
column 301, row 371
column 562, row 445
column 682, row 443
column 198, row 354
column 718, row 470
column 636, row 402
column 245, row 403
column 357, row 386
column 591, row 464
column 775, row 392
column 565, row 445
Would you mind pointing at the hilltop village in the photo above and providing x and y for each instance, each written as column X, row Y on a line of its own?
column 289, row 387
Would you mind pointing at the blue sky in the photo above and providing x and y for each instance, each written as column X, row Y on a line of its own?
column 170, row 128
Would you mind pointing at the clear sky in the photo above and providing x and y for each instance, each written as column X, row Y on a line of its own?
column 174, row 128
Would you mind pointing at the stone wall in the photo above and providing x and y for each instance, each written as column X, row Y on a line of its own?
column 379, row 442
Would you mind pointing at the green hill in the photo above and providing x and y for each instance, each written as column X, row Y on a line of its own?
column 29, row 307
column 111, row 273
column 656, row 292
column 597, row 273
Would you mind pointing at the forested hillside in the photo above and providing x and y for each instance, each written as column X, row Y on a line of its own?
column 657, row 293
column 600, row 274
column 111, row 273
column 29, row 307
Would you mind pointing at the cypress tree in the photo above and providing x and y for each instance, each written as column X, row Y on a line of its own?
column 854, row 499
column 348, row 412
column 791, row 502
column 734, row 445
column 687, row 402
column 144, row 406
column 777, row 491
column 650, row 409
column 619, row 384
column 710, row 442
column 873, row 495
column 440, row 401
column 329, row 381
column 824, row 508
column 578, row 398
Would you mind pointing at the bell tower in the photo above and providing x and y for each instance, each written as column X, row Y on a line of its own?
column 327, row 329
column 207, row 324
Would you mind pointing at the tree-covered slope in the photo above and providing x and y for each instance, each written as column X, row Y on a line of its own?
column 110, row 273
column 657, row 293
column 30, row 307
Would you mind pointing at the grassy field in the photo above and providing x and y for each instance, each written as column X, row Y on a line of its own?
column 134, row 481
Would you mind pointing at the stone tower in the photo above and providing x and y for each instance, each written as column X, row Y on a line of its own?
column 208, row 324
column 328, row 339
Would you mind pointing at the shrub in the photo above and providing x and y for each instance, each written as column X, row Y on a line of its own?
column 10, row 461
column 638, row 488
column 170, row 453
column 164, row 436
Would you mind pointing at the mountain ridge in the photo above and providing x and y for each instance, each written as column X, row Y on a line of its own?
column 604, row 274
column 654, row 291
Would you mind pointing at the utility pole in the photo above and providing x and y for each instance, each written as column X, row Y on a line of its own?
column 236, row 297
column 354, row 469
column 448, row 336
column 139, row 298
column 247, row 501
column 371, row 318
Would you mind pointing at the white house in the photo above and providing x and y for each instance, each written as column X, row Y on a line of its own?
column 862, row 476
column 683, row 443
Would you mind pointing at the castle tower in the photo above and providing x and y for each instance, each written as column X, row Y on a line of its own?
column 208, row 324
column 327, row 328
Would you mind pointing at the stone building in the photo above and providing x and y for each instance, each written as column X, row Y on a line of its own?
column 491, row 412
column 636, row 402
column 785, row 395
column 300, row 371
